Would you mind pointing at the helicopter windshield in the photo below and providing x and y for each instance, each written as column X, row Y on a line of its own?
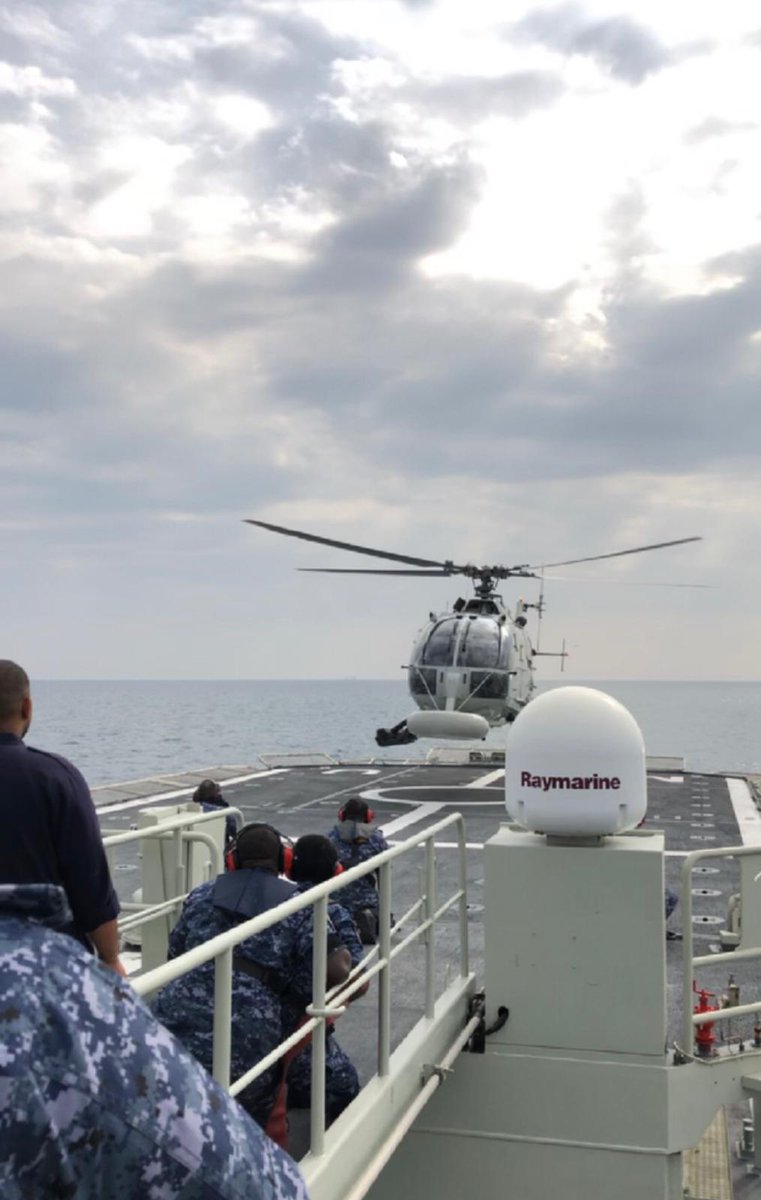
column 480, row 644
column 439, row 649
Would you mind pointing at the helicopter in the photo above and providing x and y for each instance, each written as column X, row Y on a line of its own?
column 472, row 667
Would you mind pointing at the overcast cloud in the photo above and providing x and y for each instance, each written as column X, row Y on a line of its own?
column 397, row 273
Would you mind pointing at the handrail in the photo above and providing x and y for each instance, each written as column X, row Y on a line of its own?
column 177, row 828
column 120, row 838
column 689, row 1018
column 325, row 1003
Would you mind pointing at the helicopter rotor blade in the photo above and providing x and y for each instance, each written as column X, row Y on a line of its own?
column 373, row 571
column 447, row 567
column 569, row 562
column 595, row 579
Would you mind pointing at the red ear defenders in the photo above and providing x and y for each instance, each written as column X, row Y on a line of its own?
column 342, row 815
column 338, row 869
column 285, row 856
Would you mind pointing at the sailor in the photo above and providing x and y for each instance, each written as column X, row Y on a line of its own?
column 96, row 1098
column 264, row 966
column 50, row 829
column 315, row 859
column 356, row 841
column 208, row 796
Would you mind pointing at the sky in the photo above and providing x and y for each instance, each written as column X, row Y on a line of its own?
column 478, row 282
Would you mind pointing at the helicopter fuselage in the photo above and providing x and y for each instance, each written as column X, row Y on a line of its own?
column 477, row 658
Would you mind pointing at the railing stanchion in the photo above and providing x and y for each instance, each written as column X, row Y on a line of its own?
column 179, row 863
column 463, row 905
column 384, row 979
column 223, row 989
column 320, row 967
column 430, row 937
column 688, row 1037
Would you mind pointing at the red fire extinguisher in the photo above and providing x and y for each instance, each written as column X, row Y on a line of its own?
column 704, row 1035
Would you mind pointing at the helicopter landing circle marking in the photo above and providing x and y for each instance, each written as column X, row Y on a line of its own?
column 377, row 796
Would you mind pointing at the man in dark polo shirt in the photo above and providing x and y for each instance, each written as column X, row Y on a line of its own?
column 49, row 832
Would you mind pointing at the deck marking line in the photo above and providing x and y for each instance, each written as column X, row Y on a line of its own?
column 746, row 813
column 356, row 788
column 350, row 771
column 487, row 779
column 420, row 813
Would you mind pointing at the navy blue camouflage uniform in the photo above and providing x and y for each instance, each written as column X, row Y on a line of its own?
column 51, row 833
column 96, row 1098
column 341, row 1079
column 231, row 829
column 356, row 843
column 186, row 1006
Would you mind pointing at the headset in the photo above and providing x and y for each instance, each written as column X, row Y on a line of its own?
column 284, row 858
column 370, row 815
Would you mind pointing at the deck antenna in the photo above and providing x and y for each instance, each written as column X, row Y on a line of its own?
column 539, row 606
column 539, row 611
column 562, row 654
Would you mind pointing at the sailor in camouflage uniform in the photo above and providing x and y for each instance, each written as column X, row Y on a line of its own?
column 314, row 860
column 96, row 1098
column 357, row 840
column 265, row 966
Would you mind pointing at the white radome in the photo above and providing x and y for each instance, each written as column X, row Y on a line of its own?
column 576, row 765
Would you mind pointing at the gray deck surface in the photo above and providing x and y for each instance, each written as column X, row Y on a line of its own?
column 693, row 810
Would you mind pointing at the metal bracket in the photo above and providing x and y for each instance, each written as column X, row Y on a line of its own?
column 429, row 1071
column 338, row 1011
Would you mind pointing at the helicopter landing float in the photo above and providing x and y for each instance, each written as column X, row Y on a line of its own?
column 471, row 667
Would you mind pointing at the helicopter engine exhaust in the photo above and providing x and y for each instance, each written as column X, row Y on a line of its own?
column 437, row 723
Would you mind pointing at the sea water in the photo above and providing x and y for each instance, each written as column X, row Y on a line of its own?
column 121, row 730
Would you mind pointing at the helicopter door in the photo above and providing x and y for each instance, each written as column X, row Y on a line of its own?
column 521, row 668
column 484, row 649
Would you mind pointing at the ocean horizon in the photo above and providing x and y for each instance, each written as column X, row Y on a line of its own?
column 121, row 729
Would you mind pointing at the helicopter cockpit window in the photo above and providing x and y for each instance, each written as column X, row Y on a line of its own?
column 439, row 649
column 480, row 646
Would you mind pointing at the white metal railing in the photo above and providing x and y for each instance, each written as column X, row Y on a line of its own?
column 330, row 1003
column 181, row 830
column 691, row 1019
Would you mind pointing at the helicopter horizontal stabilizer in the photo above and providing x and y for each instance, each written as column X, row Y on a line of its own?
column 439, row 723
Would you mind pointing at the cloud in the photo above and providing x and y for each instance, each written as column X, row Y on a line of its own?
column 217, row 226
column 718, row 127
column 619, row 45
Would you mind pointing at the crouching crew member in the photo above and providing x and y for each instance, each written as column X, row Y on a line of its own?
column 264, row 966
column 357, row 840
column 96, row 1097
column 315, row 859
column 208, row 795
